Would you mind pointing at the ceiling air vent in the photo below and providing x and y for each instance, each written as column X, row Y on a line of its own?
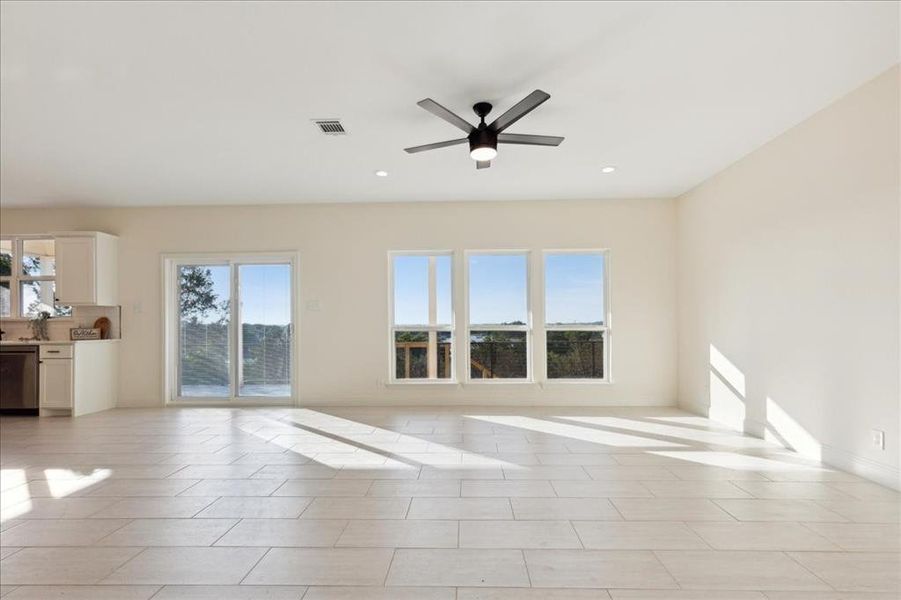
column 330, row 126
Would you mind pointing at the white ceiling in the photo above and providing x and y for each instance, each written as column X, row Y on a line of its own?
column 135, row 104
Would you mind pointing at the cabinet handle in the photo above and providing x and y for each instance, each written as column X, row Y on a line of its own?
column 52, row 351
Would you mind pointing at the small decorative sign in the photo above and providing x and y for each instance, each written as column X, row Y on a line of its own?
column 84, row 333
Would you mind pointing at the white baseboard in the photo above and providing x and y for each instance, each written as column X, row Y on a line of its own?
column 864, row 467
column 843, row 460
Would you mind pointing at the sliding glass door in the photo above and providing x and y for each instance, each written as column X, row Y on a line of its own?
column 233, row 329
column 265, row 340
column 204, row 324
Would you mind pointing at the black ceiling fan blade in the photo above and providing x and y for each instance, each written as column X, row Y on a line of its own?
column 530, row 140
column 435, row 146
column 519, row 110
column 483, row 164
column 442, row 113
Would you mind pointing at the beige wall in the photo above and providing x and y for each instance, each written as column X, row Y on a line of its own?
column 788, row 285
column 343, row 249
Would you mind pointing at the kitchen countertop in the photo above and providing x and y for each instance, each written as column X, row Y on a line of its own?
column 43, row 342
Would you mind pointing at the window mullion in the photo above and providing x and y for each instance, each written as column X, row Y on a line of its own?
column 235, row 333
column 432, row 348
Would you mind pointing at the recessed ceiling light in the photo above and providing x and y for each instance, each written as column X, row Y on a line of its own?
column 381, row 173
column 608, row 169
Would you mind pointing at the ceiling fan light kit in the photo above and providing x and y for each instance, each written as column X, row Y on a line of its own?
column 484, row 138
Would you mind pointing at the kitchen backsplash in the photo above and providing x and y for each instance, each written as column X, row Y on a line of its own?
column 58, row 329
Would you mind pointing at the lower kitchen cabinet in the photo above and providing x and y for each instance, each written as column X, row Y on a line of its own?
column 56, row 383
column 78, row 377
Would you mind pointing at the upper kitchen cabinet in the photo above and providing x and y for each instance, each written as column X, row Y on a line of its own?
column 87, row 268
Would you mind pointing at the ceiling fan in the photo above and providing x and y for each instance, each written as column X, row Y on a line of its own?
column 483, row 139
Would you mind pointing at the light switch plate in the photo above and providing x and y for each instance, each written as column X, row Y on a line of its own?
column 878, row 437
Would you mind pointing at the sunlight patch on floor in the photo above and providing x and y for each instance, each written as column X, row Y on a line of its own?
column 731, row 460
column 574, row 432
column 786, row 431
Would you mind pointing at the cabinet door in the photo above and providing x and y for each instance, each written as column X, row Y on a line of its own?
column 75, row 283
column 56, row 383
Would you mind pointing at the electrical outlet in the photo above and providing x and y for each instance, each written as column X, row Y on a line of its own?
column 313, row 305
column 878, row 437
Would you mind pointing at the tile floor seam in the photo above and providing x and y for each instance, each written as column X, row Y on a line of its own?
column 665, row 568
column 252, row 474
column 388, row 570
column 803, row 566
column 213, row 501
column 137, row 554
column 98, row 541
column 309, row 504
column 726, row 510
column 694, row 531
column 525, row 565
column 622, row 517
column 340, row 535
column 224, row 533
column 179, row 494
column 820, row 535
column 572, row 525
column 179, row 468
column 258, row 561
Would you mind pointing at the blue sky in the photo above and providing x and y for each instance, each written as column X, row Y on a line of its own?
column 574, row 286
column 497, row 288
column 266, row 292
column 411, row 289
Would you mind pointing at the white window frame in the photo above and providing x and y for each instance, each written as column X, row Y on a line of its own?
column 170, row 264
column 469, row 328
column 16, row 276
column 432, row 328
column 606, row 328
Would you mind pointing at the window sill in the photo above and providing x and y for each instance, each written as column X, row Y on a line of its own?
column 400, row 383
column 501, row 382
column 225, row 402
column 28, row 320
column 553, row 382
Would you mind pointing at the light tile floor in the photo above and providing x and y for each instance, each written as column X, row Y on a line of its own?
column 430, row 504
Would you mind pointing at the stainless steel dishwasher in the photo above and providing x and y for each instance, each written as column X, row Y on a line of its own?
column 19, row 380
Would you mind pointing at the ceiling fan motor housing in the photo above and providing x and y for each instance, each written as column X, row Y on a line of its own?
column 482, row 138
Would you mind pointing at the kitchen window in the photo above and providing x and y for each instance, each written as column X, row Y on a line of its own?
column 422, row 317
column 230, row 328
column 575, row 315
column 498, row 316
column 28, row 278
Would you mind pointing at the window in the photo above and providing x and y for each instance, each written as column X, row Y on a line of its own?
column 28, row 278
column 232, row 328
column 422, row 317
column 498, row 315
column 576, row 315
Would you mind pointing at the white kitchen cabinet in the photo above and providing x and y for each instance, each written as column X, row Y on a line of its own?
column 86, row 268
column 56, row 380
column 78, row 377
